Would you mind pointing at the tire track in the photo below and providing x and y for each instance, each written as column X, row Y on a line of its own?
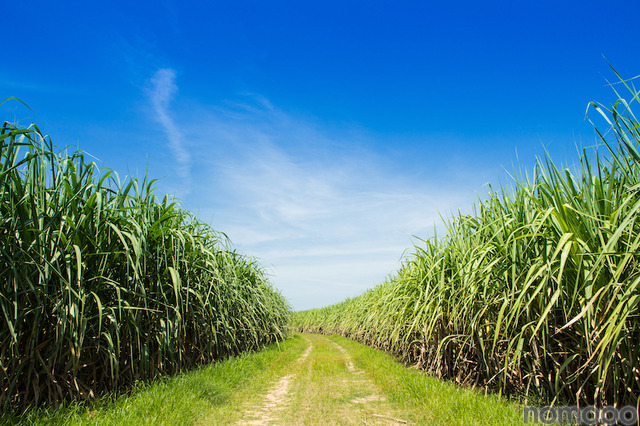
column 356, row 371
column 276, row 399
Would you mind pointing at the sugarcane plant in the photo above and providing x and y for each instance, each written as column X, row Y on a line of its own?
column 537, row 293
column 103, row 283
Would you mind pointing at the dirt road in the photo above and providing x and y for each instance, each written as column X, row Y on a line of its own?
column 322, row 386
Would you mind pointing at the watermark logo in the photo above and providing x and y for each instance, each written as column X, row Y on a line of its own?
column 607, row 415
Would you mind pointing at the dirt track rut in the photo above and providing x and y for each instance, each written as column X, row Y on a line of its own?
column 323, row 386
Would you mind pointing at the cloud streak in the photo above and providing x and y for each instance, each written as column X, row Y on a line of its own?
column 324, row 214
column 161, row 92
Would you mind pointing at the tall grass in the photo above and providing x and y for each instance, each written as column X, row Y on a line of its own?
column 103, row 284
column 537, row 293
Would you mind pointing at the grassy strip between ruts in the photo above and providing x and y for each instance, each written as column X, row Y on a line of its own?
column 223, row 392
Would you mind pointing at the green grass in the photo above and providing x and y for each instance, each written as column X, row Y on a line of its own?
column 322, row 392
column 425, row 399
column 212, row 394
column 536, row 294
column 103, row 284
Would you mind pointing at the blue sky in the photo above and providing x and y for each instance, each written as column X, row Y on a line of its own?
column 322, row 137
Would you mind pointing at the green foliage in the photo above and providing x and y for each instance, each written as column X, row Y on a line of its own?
column 102, row 284
column 214, row 394
column 321, row 391
column 536, row 294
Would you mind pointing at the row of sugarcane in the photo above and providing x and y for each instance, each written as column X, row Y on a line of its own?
column 103, row 284
column 535, row 294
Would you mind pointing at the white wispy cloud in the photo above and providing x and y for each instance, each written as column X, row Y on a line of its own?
column 323, row 212
column 161, row 91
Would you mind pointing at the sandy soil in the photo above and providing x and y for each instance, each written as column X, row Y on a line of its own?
column 340, row 396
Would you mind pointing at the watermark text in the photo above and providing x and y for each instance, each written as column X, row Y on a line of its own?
column 607, row 415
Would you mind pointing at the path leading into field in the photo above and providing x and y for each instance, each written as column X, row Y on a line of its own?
column 323, row 386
